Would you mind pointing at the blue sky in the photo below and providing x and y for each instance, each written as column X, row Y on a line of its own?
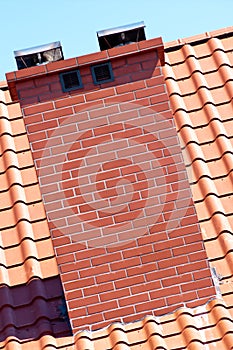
column 28, row 23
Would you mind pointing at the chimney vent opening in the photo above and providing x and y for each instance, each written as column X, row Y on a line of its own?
column 102, row 73
column 71, row 80
column 120, row 36
column 39, row 55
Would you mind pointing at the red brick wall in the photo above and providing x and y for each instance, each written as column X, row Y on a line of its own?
column 116, row 194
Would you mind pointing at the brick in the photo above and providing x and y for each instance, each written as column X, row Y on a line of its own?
column 177, row 280
column 155, row 81
column 159, row 99
column 78, row 154
column 106, row 111
column 80, row 312
column 80, row 283
column 197, row 285
column 129, row 281
column 63, row 64
column 99, row 223
column 109, row 174
column 54, row 206
column 150, row 64
column 100, row 325
column 89, row 106
column 181, row 260
column 100, row 94
column 116, row 294
column 37, row 136
column 70, row 248
column 201, row 274
column 148, row 92
column 118, row 51
column 90, row 58
column 113, row 276
column 98, row 289
column 88, row 253
column 68, row 258
column 118, row 313
column 39, row 108
column 134, row 300
column 170, row 243
column 104, row 306
column 127, row 69
column 183, row 231
column 130, row 87
column 94, row 123
column 69, row 276
column 209, row 291
column 141, row 75
column 128, row 134
column 198, row 256
column 160, row 107
column 74, row 294
column 155, row 42
column 86, row 217
column 142, row 269
column 188, row 248
column 10, row 76
column 131, row 318
column 60, row 241
column 192, row 267
column 150, row 238
column 181, row 298
column 57, row 113
column 164, row 292
column 122, row 264
column 29, row 101
column 94, row 271
column 141, row 57
column 189, row 220
column 96, row 141
column 83, row 321
column 120, row 98
column 36, row 91
column 118, row 218
column 107, row 258
column 69, row 101
column 55, row 90
column 23, row 73
column 77, row 303
column 67, row 267
column 42, row 126
column 137, row 251
column 108, row 129
column 36, row 118
column 46, row 80
column 118, row 62
column 151, row 305
column 160, row 274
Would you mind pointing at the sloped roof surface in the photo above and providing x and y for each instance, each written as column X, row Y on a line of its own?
column 23, row 225
column 199, row 78
column 30, row 288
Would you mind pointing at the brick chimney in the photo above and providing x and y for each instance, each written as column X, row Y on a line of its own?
column 114, row 184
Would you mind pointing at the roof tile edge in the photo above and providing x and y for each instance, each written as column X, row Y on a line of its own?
column 192, row 39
